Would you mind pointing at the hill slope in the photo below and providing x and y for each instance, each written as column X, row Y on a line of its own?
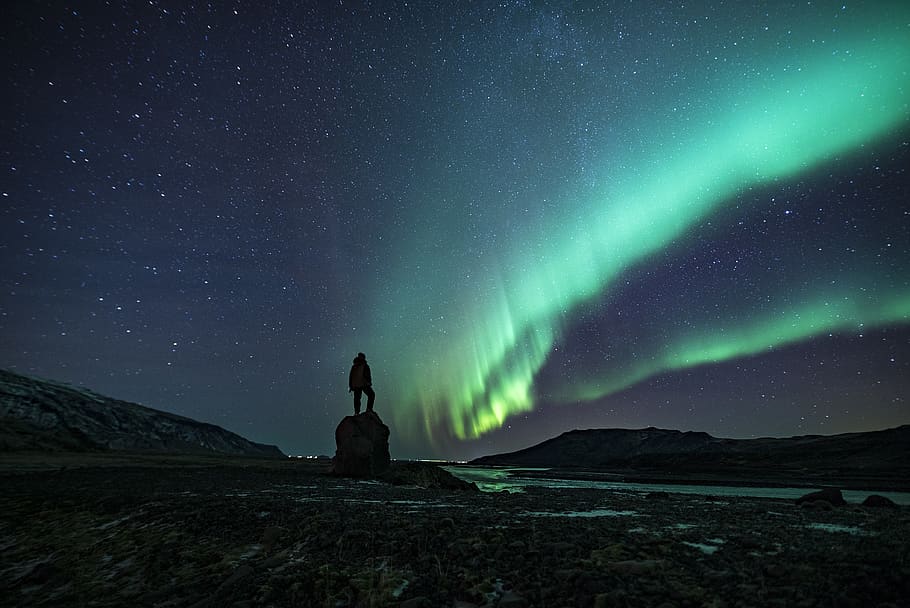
column 44, row 415
column 876, row 454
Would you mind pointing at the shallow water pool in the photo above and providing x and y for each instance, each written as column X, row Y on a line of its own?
column 510, row 480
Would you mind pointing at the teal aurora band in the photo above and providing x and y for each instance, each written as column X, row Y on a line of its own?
column 464, row 348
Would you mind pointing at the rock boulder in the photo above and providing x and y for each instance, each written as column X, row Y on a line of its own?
column 830, row 495
column 878, row 501
column 425, row 475
column 361, row 446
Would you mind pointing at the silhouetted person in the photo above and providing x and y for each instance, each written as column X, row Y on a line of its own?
column 360, row 381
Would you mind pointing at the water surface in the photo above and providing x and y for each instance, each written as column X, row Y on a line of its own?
column 510, row 480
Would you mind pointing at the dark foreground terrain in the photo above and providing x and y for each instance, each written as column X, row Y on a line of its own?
column 172, row 532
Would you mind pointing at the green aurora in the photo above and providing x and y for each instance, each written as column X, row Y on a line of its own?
column 837, row 313
column 500, row 323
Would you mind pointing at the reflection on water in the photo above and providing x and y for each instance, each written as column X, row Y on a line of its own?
column 838, row 528
column 492, row 480
column 510, row 480
column 707, row 549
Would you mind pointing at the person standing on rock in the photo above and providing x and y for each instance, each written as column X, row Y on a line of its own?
column 360, row 382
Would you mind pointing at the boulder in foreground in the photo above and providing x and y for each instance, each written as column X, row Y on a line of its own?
column 425, row 475
column 361, row 446
column 830, row 495
column 877, row 501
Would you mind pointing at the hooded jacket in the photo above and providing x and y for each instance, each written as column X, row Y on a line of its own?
column 360, row 374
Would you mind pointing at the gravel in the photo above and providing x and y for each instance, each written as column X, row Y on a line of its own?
column 266, row 534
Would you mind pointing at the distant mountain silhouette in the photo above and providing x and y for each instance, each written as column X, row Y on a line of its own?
column 51, row 416
column 602, row 447
column 876, row 454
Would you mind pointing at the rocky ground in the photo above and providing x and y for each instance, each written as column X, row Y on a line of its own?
column 285, row 534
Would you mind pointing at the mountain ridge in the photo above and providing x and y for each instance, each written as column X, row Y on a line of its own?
column 876, row 454
column 48, row 415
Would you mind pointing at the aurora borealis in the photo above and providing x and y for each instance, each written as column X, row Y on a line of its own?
column 530, row 216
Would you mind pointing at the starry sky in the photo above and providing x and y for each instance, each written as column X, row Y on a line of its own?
column 531, row 216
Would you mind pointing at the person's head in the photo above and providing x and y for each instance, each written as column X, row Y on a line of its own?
column 361, row 357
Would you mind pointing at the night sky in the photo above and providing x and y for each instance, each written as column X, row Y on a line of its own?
column 531, row 216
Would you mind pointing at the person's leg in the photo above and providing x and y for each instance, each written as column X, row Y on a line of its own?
column 371, row 396
column 357, row 393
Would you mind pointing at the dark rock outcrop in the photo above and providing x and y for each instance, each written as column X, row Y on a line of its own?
column 52, row 416
column 362, row 446
column 425, row 475
column 816, row 505
column 877, row 501
column 830, row 495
